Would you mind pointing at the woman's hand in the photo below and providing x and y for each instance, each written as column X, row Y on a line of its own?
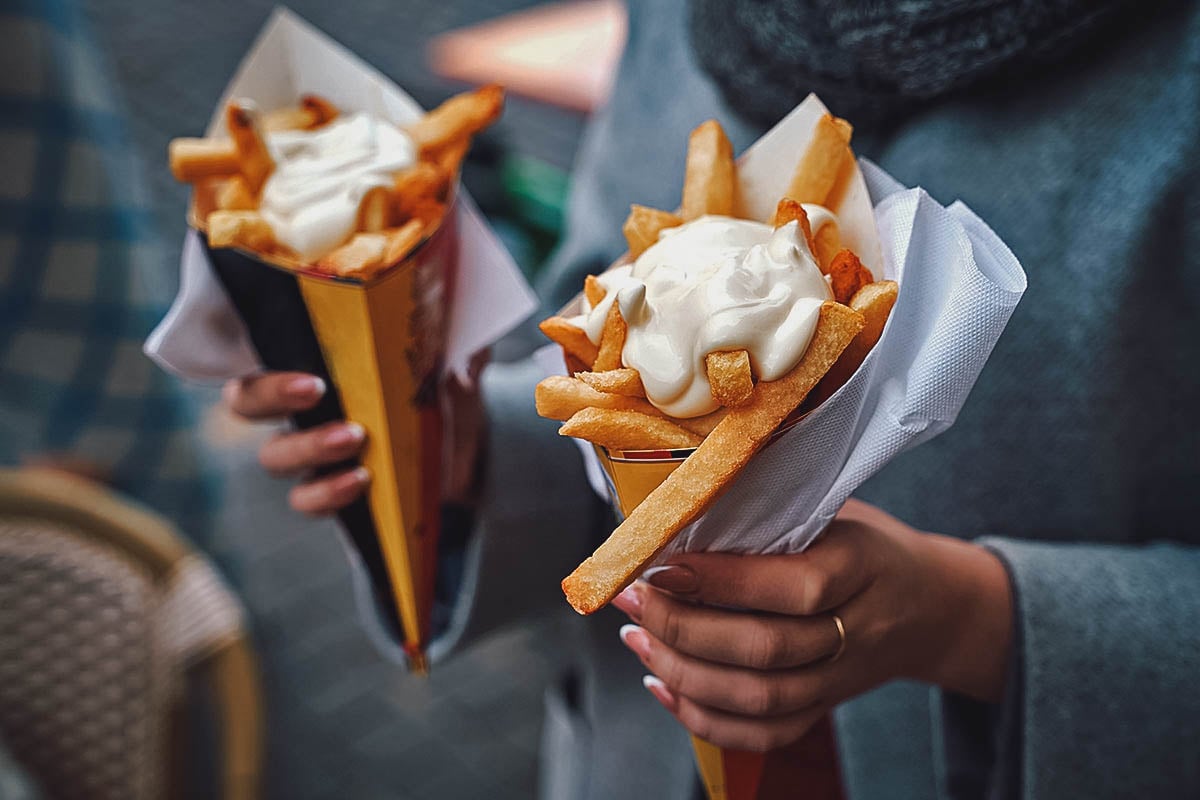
column 913, row 605
column 274, row 395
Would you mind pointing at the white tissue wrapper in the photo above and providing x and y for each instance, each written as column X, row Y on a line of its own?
column 202, row 337
column 958, row 287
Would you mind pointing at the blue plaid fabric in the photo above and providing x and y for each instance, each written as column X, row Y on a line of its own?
column 83, row 276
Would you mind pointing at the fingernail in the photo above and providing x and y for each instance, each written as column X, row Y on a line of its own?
column 673, row 578
column 660, row 691
column 636, row 640
column 304, row 387
column 345, row 435
column 359, row 476
column 630, row 601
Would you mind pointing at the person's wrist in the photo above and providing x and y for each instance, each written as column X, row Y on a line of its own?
column 975, row 619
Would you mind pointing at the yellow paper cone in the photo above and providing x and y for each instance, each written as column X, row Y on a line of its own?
column 372, row 339
column 807, row 769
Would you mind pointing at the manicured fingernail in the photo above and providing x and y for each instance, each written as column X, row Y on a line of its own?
column 660, row 691
column 359, row 476
column 345, row 435
column 305, row 387
column 630, row 601
column 636, row 640
column 673, row 578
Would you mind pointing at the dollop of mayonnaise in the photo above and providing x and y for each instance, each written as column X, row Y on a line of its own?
column 713, row 284
column 312, row 197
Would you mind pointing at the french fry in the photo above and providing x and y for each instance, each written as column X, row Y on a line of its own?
column 729, row 377
column 703, row 426
column 571, row 339
column 245, row 229
column 428, row 212
column 235, row 195
column 593, row 292
column 627, row 430
column 374, row 210
column 696, row 483
column 623, row 381
column 875, row 302
column 644, row 224
column 847, row 275
column 827, row 241
column 559, row 397
column 819, row 167
column 194, row 160
column 363, row 253
column 457, row 119
column 312, row 112
column 709, row 180
column 449, row 158
column 612, row 341
column 402, row 241
column 413, row 186
column 789, row 210
column 254, row 160
column 368, row 253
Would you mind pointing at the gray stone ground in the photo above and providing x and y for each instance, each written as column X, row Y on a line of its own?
column 341, row 722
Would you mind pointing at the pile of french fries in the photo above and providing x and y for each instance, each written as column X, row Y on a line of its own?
column 605, row 403
column 228, row 175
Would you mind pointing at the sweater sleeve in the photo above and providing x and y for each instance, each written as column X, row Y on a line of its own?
column 1102, row 699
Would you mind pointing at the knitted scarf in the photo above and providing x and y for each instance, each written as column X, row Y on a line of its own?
column 868, row 59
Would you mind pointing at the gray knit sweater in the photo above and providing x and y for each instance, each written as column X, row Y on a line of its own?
column 1077, row 455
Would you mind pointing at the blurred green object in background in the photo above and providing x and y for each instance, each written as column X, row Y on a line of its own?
column 536, row 195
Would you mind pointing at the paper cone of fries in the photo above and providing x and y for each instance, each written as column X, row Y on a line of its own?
column 380, row 327
column 888, row 366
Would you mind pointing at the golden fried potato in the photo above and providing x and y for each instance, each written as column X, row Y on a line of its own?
column 194, row 160
column 627, row 430
column 643, row 226
column 847, row 275
column 254, row 160
column 612, row 341
column 245, row 229
column 709, row 179
column 789, row 210
column 571, row 338
column 817, row 173
column 875, row 302
column 457, row 119
column 729, row 377
column 623, row 381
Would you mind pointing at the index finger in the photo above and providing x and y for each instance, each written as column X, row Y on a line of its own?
column 815, row 581
column 268, row 395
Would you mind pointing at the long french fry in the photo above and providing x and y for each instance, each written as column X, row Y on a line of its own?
column 254, row 160
column 458, row 118
column 644, row 224
column 729, row 377
column 570, row 338
column 696, row 483
column 709, row 179
column 196, row 159
column 246, row 229
column 559, row 397
column 612, row 341
column 623, row 381
column 817, row 172
column 627, row 430
column 421, row 182
column 875, row 302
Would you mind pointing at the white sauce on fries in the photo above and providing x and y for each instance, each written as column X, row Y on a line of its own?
column 713, row 284
column 311, row 199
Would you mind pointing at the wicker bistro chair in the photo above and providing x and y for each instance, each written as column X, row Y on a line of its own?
column 103, row 610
